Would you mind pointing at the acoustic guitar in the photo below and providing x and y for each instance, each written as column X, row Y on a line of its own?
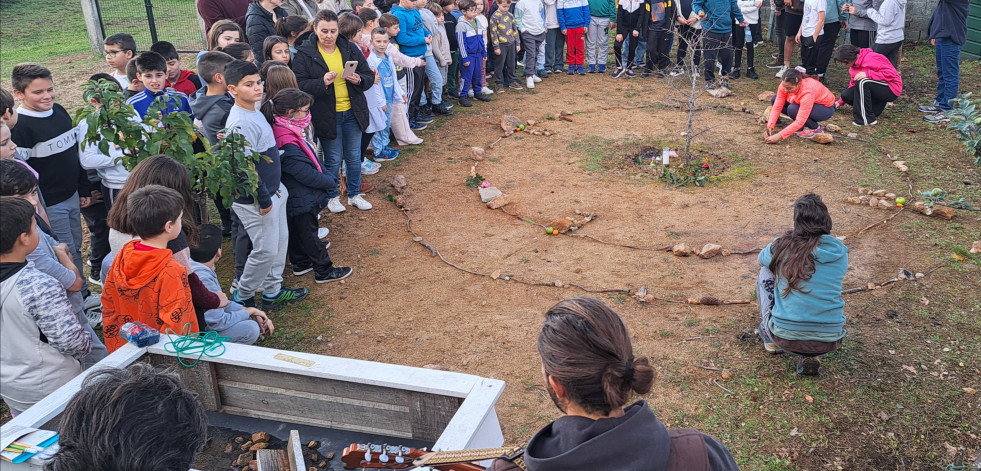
column 369, row 455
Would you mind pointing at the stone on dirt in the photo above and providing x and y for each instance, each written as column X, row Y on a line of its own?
column 710, row 250
column 499, row 202
column 260, row 437
column 561, row 225
column 682, row 250
column 489, row 193
column 243, row 459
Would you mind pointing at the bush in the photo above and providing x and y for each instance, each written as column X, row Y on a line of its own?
column 966, row 120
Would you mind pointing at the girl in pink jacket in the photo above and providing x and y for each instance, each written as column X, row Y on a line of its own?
column 874, row 83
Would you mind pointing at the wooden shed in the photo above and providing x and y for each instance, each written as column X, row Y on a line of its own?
column 972, row 48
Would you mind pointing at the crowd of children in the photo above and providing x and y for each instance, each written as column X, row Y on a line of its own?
column 334, row 86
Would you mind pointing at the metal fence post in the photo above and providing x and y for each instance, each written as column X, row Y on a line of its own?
column 150, row 20
column 93, row 24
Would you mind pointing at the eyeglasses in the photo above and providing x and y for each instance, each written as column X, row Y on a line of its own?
column 113, row 53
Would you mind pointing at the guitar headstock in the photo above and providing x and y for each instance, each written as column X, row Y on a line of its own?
column 373, row 455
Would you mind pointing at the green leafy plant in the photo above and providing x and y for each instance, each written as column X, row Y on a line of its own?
column 475, row 181
column 938, row 196
column 965, row 118
column 224, row 170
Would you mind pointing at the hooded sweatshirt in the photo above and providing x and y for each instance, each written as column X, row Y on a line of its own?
column 187, row 83
column 889, row 18
column 949, row 20
column 572, row 13
column 145, row 284
column 638, row 441
column 876, row 67
column 818, row 305
column 717, row 14
column 412, row 33
column 858, row 22
column 110, row 170
column 603, row 9
column 212, row 110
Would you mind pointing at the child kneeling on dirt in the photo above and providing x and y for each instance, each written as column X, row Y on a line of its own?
column 806, row 100
column 799, row 287
column 239, row 323
column 289, row 114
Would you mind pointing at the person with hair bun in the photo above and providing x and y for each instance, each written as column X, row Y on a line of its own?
column 591, row 373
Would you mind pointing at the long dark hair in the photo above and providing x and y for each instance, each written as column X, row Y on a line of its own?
column 792, row 252
column 156, row 170
column 586, row 348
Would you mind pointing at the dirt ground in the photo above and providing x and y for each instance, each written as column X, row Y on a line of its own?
column 892, row 398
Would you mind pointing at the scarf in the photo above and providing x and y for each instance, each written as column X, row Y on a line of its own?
column 290, row 131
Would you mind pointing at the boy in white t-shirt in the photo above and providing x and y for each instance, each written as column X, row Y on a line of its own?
column 811, row 28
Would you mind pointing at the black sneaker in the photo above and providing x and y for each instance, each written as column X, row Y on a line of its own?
column 425, row 113
column 481, row 97
column 336, row 273
column 465, row 102
column 751, row 73
column 809, row 366
column 734, row 74
column 619, row 72
column 247, row 302
column 441, row 109
column 424, row 119
column 285, row 296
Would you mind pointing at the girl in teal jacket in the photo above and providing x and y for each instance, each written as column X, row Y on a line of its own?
column 799, row 287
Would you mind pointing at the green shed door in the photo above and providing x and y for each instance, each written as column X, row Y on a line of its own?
column 972, row 48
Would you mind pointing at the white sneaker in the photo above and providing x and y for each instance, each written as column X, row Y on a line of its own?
column 322, row 232
column 335, row 206
column 486, row 91
column 359, row 202
column 536, row 78
column 530, row 83
column 782, row 71
column 470, row 93
column 370, row 168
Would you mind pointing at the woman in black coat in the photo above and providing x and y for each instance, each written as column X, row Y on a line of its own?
column 260, row 22
column 340, row 110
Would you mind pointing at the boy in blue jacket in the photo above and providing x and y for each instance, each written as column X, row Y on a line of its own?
column 573, row 20
column 239, row 323
column 717, row 17
column 473, row 51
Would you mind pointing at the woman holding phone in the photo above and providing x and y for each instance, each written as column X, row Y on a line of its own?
column 340, row 110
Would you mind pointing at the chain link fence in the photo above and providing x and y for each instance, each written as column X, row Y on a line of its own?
column 149, row 21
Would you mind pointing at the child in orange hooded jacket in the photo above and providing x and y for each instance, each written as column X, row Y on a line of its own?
column 806, row 100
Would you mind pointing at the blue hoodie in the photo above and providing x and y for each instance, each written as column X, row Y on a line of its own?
column 572, row 14
column 818, row 305
column 412, row 34
column 718, row 14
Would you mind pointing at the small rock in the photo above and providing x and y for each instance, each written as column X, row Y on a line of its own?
column 823, row 138
column 854, row 200
column 259, row 446
column 766, row 96
column 710, row 250
column 314, row 457
column 901, row 165
column 312, row 469
column 831, row 127
column 246, row 445
column 726, row 374
column 873, row 202
column 495, row 274
column 557, row 283
column 399, row 183
column 312, row 444
column 429, row 367
column 852, row 135
column 720, row 92
column 879, row 193
column 239, row 439
column 531, row 122
column 885, row 204
column 919, row 275
column 561, row 225
column 891, row 196
column 976, row 247
column 969, row 266
column 260, row 437
column 499, row 202
column 229, row 448
column 682, row 250
column 488, row 194
column 322, row 464
column 478, row 153
column 330, row 456
column 243, row 459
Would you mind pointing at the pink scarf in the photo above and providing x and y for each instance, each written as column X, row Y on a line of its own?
column 288, row 133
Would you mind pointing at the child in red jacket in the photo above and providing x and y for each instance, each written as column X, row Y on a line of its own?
column 184, row 81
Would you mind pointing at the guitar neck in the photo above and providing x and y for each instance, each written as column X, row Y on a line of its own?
column 465, row 456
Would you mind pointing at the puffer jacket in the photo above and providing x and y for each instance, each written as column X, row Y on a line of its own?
column 259, row 25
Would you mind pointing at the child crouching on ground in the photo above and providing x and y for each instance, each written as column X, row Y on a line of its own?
column 239, row 323
column 799, row 287
column 307, row 184
column 390, row 89
column 806, row 100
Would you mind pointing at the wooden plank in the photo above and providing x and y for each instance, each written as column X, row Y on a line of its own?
column 304, row 420
column 294, row 451
column 461, row 433
column 298, row 382
column 445, row 383
column 272, row 460
column 430, row 414
column 320, row 407
column 201, row 379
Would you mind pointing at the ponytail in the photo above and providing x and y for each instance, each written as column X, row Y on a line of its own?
column 284, row 101
column 795, row 75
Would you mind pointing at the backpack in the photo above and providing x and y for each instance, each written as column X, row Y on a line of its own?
column 688, row 450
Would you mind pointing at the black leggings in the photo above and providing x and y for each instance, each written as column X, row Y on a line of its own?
column 868, row 99
column 891, row 51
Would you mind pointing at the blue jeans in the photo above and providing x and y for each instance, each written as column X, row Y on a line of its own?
column 381, row 138
column 345, row 147
column 948, row 72
column 540, row 60
column 435, row 81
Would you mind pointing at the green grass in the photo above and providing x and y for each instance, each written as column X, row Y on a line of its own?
column 32, row 31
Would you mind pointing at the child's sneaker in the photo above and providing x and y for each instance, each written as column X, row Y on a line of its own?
column 249, row 302
column 465, row 102
column 783, row 70
column 441, row 109
column 677, row 71
column 536, row 79
column 581, row 69
column 499, row 88
column 517, row 86
column 557, row 69
column 424, row 120
column 751, row 73
column 592, row 68
column 530, row 81
column 301, row 271
column 855, row 123
column 771, row 347
column 284, row 296
column 601, row 69
column 630, row 73
column 618, row 72
column 387, row 154
column 486, row 91
column 335, row 206
column 482, row 97
column 369, row 168
column 809, row 133
column 541, row 73
column 734, row 74
column 931, row 108
column 808, row 366
column 416, row 126
column 937, row 118
column 572, row 69
column 359, row 202
column 336, row 273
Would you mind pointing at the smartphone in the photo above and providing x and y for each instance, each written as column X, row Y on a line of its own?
column 349, row 68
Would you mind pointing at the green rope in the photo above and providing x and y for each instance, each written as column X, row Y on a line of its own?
column 201, row 344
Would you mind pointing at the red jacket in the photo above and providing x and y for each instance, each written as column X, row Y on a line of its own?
column 809, row 92
column 187, row 83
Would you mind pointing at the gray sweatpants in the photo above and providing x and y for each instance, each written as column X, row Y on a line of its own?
column 531, row 46
column 245, row 332
column 66, row 223
column 270, row 238
column 597, row 41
